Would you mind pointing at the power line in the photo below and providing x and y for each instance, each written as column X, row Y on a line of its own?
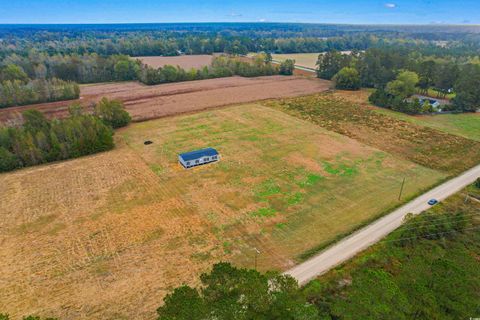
column 430, row 234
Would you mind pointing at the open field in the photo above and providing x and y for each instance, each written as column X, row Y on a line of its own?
column 466, row 125
column 106, row 236
column 185, row 62
column 308, row 60
column 423, row 145
column 147, row 102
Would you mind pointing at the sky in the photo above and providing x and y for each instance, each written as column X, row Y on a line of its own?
column 309, row 11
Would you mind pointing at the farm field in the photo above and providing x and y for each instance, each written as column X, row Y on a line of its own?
column 348, row 114
column 116, row 230
column 185, row 62
column 308, row 60
column 148, row 102
column 466, row 125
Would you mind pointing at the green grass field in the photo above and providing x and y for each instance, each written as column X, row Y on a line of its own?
column 466, row 124
column 283, row 186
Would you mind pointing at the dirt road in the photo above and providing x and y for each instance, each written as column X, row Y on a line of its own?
column 365, row 237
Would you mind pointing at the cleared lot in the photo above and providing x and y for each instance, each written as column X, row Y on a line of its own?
column 308, row 60
column 106, row 236
column 185, row 62
column 148, row 102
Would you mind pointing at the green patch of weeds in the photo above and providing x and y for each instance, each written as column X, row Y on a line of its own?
column 268, row 188
column 347, row 171
column 264, row 213
column 328, row 167
column 281, row 225
column 341, row 169
column 251, row 138
column 157, row 169
column 295, row 199
column 310, row 180
column 227, row 247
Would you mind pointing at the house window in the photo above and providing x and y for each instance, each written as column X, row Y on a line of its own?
column 214, row 157
column 197, row 161
column 207, row 158
column 188, row 163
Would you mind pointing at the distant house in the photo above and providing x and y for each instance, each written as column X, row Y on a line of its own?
column 434, row 103
column 198, row 157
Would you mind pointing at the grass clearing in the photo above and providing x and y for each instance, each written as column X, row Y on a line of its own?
column 107, row 235
column 466, row 125
column 308, row 60
column 346, row 114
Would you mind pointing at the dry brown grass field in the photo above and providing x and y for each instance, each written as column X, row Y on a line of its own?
column 185, row 62
column 106, row 236
column 148, row 102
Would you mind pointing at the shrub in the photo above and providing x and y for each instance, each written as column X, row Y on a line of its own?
column 112, row 113
column 347, row 78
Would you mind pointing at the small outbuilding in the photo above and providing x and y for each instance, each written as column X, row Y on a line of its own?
column 198, row 157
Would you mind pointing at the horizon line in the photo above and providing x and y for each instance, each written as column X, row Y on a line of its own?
column 243, row 22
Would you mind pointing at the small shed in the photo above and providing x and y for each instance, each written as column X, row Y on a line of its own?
column 198, row 157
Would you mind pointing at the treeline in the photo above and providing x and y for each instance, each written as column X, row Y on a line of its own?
column 397, row 74
column 39, row 140
column 222, row 66
column 80, row 68
column 236, row 38
column 17, row 93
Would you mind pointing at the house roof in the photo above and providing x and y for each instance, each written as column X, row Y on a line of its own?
column 431, row 101
column 192, row 155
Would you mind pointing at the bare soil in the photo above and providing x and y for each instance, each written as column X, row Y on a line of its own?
column 148, row 102
column 185, row 62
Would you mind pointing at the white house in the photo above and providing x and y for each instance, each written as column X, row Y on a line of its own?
column 198, row 157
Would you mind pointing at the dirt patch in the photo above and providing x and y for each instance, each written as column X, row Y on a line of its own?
column 148, row 102
column 185, row 62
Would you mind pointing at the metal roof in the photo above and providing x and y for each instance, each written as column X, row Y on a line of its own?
column 192, row 155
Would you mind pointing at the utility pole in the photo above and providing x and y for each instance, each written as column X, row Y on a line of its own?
column 401, row 189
